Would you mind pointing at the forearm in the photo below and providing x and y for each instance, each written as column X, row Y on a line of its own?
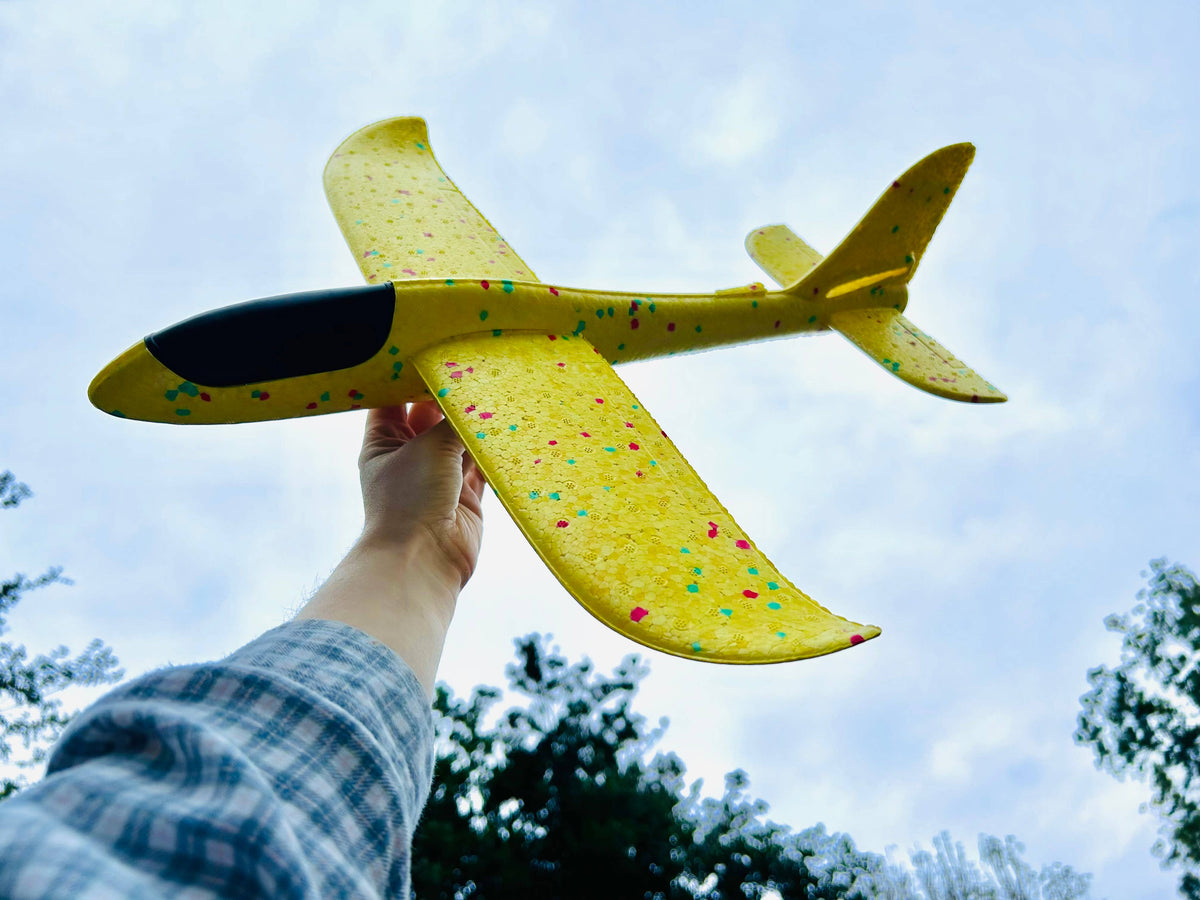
column 392, row 592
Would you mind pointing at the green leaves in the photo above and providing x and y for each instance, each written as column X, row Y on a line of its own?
column 1142, row 717
column 558, row 797
column 29, row 713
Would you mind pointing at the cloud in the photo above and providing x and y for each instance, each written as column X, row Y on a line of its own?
column 741, row 122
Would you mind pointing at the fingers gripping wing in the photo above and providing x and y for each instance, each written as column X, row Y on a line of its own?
column 403, row 218
column 613, row 508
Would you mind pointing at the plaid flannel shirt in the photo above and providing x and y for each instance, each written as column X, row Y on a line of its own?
column 296, row 767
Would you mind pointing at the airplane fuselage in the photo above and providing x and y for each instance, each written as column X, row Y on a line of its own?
column 622, row 326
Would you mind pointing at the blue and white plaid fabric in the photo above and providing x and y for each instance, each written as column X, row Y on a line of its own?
column 296, row 767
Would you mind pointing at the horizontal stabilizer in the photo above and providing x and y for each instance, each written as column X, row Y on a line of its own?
column 781, row 253
column 913, row 356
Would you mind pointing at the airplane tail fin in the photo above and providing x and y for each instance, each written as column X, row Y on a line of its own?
column 868, row 274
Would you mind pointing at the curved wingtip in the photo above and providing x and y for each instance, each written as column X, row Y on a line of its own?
column 411, row 128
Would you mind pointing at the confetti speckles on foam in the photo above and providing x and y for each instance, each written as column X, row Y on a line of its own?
column 612, row 507
column 387, row 171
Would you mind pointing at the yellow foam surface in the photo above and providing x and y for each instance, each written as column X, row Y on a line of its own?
column 614, row 509
column 913, row 356
column 403, row 217
column 896, row 230
column 781, row 253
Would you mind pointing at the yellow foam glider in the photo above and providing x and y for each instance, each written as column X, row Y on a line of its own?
column 524, row 372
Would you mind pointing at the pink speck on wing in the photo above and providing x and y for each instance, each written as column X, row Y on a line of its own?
column 742, row 545
column 638, row 613
column 485, row 415
column 712, row 529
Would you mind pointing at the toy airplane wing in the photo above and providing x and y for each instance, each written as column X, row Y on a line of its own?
column 403, row 217
column 612, row 507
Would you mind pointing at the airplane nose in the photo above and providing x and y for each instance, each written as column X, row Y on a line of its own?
column 275, row 340
column 132, row 386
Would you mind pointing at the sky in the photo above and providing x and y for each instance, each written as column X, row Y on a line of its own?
column 159, row 159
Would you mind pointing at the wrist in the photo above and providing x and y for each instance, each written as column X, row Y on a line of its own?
column 411, row 561
column 392, row 591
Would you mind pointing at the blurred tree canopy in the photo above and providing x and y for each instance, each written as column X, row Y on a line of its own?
column 29, row 712
column 949, row 874
column 1142, row 717
column 556, row 798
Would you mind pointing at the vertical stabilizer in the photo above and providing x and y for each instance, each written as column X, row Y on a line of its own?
column 866, row 277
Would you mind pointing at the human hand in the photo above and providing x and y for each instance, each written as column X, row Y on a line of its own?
column 422, row 492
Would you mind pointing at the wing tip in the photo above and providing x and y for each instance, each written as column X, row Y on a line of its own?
column 415, row 125
column 863, row 634
column 984, row 393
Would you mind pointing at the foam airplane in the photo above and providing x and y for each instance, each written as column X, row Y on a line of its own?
column 524, row 372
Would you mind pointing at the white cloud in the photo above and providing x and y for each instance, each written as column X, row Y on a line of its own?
column 741, row 123
column 524, row 129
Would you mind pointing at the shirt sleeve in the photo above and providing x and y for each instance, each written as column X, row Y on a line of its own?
column 296, row 767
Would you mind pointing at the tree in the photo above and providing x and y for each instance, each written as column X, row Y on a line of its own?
column 31, row 714
column 1142, row 717
column 948, row 874
column 555, row 797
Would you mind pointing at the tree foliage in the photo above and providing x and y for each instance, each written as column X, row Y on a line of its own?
column 947, row 873
column 1142, row 717
column 555, row 798
column 30, row 714
column 558, row 797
